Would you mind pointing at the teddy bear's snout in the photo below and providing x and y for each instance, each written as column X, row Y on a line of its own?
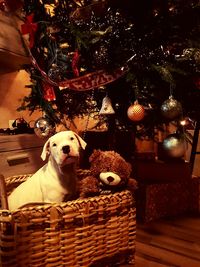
column 110, row 179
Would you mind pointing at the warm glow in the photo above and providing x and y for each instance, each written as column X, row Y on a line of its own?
column 183, row 122
column 187, row 121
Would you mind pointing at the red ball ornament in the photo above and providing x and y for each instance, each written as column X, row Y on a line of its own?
column 136, row 112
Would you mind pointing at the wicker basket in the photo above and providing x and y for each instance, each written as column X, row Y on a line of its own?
column 96, row 231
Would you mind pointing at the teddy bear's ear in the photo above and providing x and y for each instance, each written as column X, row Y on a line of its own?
column 96, row 153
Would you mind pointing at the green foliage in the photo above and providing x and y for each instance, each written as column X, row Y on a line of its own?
column 159, row 45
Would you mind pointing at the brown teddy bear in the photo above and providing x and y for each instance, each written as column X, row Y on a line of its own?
column 109, row 173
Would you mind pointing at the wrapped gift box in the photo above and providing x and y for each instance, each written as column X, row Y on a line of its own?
column 157, row 200
column 160, row 171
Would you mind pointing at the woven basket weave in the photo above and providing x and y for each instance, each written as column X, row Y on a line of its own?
column 93, row 231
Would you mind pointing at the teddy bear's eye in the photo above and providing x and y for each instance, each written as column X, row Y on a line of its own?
column 71, row 138
column 54, row 144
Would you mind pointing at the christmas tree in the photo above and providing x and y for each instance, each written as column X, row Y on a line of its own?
column 143, row 56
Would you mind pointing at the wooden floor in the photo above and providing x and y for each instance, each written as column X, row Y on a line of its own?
column 169, row 242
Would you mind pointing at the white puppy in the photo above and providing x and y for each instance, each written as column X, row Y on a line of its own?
column 57, row 178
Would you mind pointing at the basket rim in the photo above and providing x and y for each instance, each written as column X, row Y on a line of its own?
column 77, row 203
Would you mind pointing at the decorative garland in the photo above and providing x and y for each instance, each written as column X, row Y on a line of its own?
column 86, row 82
column 92, row 80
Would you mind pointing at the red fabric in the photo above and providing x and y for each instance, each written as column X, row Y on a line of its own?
column 31, row 28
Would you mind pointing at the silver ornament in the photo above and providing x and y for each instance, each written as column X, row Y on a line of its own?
column 171, row 108
column 44, row 127
column 54, row 73
column 175, row 146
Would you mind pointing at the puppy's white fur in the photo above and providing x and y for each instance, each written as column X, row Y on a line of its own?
column 56, row 178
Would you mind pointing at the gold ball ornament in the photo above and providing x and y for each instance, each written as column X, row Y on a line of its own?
column 136, row 112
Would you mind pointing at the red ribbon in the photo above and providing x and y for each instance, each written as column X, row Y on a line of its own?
column 92, row 80
column 31, row 28
column 83, row 83
column 75, row 61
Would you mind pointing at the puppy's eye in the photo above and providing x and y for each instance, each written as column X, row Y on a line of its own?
column 71, row 138
column 54, row 144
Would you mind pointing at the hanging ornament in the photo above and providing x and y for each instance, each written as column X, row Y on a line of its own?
column 54, row 73
column 136, row 112
column 48, row 92
column 175, row 145
column 106, row 108
column 44, row 127
column 171, row 108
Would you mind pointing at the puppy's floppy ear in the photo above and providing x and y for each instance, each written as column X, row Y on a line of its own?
column 82, row 143
column 45, row 150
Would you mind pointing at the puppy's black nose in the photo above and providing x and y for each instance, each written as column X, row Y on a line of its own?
column 110, row 179
column 66, row 149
